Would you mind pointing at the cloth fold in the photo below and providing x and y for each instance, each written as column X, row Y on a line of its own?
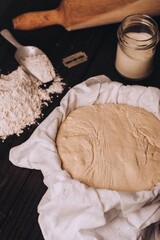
column 70, row 210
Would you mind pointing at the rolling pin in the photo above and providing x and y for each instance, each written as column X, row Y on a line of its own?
column 78, row 14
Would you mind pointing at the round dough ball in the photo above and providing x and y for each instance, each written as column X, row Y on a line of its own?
column 111, row 146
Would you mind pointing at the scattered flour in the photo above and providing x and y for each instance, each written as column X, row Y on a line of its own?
column 22, row 99
column 41, row 67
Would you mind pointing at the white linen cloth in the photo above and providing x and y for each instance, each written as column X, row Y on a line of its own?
column 70, row 210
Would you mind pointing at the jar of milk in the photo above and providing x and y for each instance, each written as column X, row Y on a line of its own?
column 138, row 36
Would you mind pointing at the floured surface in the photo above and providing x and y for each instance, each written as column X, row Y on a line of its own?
column 22, row 101
column 111, row 146
column 70, row 210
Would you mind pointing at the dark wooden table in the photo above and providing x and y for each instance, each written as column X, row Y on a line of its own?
column 22, row 189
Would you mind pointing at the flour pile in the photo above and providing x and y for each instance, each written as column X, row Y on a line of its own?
column 22, row 99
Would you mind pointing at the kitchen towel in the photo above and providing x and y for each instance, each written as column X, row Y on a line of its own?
column 70, row 210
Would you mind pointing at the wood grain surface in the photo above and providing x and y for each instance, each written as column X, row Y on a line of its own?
column 82, row 14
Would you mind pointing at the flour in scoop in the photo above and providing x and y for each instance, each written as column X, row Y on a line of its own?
column 41, row 67
column 22, row 100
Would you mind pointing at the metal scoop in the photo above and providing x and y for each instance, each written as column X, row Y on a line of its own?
column 23, row 52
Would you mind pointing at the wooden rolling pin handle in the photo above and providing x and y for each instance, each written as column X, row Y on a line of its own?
column 80, row 14
column 35, row 20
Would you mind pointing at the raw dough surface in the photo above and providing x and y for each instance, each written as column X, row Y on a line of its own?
column 111, row 146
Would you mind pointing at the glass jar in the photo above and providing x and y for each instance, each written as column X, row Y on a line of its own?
column 138, row 36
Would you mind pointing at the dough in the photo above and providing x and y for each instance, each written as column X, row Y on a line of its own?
column 111, row 146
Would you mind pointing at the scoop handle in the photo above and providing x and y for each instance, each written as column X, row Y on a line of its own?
column 8, row 36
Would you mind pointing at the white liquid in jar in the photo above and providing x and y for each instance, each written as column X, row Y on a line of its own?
column 134, row 63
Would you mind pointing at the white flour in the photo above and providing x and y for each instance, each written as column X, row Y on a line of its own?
column 41, row 67
column 21, row 101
